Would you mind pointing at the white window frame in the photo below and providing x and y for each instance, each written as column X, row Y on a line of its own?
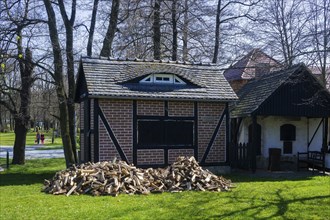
column 155, row 78
column 148, row 79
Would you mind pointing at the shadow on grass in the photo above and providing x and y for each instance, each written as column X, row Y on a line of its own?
column 16, row 179
column 32, row 172
column 198, row 205
column 265, row 176
column 282, row 207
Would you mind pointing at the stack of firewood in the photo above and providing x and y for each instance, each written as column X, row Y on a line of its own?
column 112, row 178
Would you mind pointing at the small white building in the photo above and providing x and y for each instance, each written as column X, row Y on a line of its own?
column 287, row 110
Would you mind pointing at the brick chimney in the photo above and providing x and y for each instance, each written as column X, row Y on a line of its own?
column 261, row 68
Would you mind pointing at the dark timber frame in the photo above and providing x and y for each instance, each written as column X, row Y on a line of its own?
column 87, row 131
column 165, row 148
column 96, row 131
column 112, row 136
column 100, row 117
column 215, row 133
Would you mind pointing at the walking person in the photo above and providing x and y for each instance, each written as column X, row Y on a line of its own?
column 38, row 137
column 42, row 137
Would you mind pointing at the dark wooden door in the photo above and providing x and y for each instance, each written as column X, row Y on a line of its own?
column 258, row 138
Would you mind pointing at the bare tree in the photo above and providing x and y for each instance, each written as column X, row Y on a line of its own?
column 68, row 23
column 14, row 23
column 282, row 26
column 185, row 32
column 156, row 29
column 92, row 28
column 319, row 33
column 174, row 31
column 112, row 28
column 224, row 14
column 59, row 83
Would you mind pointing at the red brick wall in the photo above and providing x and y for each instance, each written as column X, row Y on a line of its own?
column 151, row 108
column 107, row 149
column 180, row 109
column 119, row 114
column 174, row 153
column 208, row 116
column 218, row 150
column 152, row 156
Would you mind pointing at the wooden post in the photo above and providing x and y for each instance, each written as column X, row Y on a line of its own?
column 325, row 135
column 233, row 143
column 253, row 159
column 96, row 131
column 228, row 135
column 7, row 160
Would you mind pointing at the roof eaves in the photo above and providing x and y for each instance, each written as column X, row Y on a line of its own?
column 160, row 98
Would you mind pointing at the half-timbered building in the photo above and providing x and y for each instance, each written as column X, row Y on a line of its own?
column 149, row 112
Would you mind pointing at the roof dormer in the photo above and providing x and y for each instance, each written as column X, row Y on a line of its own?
column 162, row 78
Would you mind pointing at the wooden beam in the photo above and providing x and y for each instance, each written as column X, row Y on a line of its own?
column 253, row 150
column 309, row 143
column 96, row 131
column 134, row 133
column 214, row 135
column 112, row 136
column 325, row 135
column 196, row 130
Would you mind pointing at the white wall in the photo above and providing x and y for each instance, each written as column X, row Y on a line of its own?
column 270, row 133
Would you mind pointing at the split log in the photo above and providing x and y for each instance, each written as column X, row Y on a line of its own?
column 114, row 177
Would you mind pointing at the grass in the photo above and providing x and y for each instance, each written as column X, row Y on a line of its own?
column 8, row 138
column 297, row 197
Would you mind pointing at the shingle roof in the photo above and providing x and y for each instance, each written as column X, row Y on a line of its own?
column 244, row 68
column 255, row 93
column 113, row 78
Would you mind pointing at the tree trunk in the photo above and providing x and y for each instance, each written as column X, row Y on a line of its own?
column 185, row 32
column 20, row 140
column 1, row 118
column 60, row 89
column 70, row 71
column 112, row 28
column 65, row 132
column 156, row 30
column 217, row 34
column 175, row 32
column 22, row 118
column 326, row 37
column 92, row 28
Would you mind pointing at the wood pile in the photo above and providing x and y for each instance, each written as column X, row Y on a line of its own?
column 112, row 178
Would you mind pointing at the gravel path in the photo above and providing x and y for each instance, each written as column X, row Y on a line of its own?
column 32, row 152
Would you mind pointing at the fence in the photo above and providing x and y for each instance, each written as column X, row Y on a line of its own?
column 242, row 156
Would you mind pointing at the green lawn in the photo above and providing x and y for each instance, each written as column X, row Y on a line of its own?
column 8, row 138
column 301, row 197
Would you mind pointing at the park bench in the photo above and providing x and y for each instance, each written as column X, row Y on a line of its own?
column 313, row 159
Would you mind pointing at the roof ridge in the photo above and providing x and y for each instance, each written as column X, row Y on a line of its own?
column 120, row 59
column 250, row 55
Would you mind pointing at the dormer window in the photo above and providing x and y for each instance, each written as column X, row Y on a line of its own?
column 163, row 79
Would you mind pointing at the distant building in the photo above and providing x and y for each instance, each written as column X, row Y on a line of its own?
column 252, row 65
column 317, row 72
